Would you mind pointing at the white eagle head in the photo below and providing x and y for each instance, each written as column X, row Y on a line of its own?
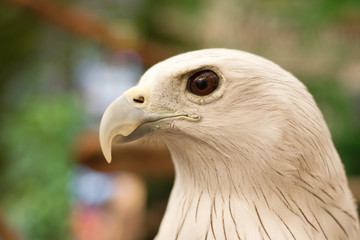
column 235, row 122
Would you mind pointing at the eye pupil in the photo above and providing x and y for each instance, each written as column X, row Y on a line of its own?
column 203, row 83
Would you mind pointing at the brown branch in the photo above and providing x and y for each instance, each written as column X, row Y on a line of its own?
column 152, row 161
column 83, row 23
column 79, row 21
column 6, row 233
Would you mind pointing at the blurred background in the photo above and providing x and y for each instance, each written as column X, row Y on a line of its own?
column 62, row 62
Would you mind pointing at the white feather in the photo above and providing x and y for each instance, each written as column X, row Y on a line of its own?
column 259, row 165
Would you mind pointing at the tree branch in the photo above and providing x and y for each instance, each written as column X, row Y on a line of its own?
column 85, row 24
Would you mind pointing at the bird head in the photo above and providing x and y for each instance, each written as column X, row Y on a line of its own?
column 228, row 103
column 246, row 138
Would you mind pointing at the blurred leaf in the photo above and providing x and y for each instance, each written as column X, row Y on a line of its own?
column 38, row 139
column 19, row 36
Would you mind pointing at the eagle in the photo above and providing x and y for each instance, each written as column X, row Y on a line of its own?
column 253, row 156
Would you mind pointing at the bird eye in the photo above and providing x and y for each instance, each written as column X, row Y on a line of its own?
column 203, row 83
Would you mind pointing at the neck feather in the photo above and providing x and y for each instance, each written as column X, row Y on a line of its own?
column 219, row 195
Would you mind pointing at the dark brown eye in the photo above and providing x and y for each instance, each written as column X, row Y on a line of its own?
column 203, row 83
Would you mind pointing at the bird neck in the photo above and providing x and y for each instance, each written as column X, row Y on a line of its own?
column 219, row 169
column 216, row 197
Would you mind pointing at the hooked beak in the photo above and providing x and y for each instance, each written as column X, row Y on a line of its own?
column 126, row 119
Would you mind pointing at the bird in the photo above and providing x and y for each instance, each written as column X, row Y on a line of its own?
column 253, row 156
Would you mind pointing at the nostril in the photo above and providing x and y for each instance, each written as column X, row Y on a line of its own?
column 139, row 99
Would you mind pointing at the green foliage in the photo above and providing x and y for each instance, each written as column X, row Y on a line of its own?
column 307, row 13
column 18, row 36
column 37, row 138
column 148, row 19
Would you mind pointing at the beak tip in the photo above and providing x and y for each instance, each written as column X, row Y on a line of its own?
column 106, row 148
column 107, row 154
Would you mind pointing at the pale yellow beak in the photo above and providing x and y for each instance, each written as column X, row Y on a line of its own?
column 127, row 119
